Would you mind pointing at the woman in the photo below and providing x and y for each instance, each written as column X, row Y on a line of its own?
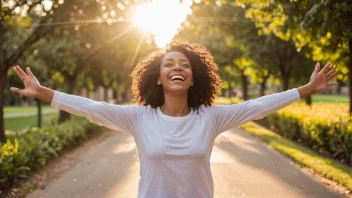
column 175, row 125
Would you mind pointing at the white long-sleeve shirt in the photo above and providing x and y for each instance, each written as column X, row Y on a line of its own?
column 174, row 152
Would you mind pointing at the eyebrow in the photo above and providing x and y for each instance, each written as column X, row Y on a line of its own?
column 171, row 59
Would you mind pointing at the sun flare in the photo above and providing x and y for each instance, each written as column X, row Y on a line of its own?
column 162, row 18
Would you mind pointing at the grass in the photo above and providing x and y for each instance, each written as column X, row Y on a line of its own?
column 16, row 124
column 24, row 109
column 323, row 166
column 324, row 98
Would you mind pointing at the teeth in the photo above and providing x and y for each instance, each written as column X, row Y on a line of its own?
column 177, row 76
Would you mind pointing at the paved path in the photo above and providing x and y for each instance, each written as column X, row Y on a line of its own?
column 13, row 115
column 242, row 166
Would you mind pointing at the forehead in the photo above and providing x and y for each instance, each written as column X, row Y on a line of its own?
column 174, row 56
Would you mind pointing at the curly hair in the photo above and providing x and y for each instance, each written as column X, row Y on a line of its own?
column 206, row 79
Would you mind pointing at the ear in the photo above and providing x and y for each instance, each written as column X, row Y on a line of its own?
column 159, row 82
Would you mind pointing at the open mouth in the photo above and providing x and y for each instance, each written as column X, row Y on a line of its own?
column 178, row 78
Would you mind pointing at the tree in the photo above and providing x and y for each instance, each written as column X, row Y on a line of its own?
column 9, row 55
column 324, row 26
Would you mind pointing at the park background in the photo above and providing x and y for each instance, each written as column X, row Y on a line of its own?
column 89, row 48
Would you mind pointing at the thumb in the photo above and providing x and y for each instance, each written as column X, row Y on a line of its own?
column 317, row 67
column 16, row 90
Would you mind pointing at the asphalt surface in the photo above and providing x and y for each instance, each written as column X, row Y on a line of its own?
column 242, row 166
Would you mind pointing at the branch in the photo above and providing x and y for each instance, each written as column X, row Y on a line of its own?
column 40, row 31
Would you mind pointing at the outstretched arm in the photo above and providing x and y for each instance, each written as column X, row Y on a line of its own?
column 117, row 117
column 229, row 116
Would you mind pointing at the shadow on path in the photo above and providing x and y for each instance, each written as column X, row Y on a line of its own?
column 102, row 172
column 265, row 171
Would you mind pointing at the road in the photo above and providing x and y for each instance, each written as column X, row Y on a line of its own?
column 242, row 166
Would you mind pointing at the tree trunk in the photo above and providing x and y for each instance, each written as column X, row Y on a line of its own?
column 39, row 112
column 284, row 81
column 124, row 95
column 105, row 93
column 115, row 95
column 230, row 90
column 338, row 88
column 244, row 86
column 3, row 78
column 263, row 86
column 309, row 100
column 285, row 70
column 70, row 83
column 350, row 74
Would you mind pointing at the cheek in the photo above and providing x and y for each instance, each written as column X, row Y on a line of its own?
column 163, row 75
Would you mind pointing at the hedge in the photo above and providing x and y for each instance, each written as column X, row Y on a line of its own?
column 326, row 128
column 32, row 148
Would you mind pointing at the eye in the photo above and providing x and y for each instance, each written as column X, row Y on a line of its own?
column 168, row 65
column 185, row 65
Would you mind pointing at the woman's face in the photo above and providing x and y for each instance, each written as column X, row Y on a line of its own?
column 175, row 73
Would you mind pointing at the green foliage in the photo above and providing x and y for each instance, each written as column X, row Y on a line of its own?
column 323, row 26
column 325, row 127
column 31, row 149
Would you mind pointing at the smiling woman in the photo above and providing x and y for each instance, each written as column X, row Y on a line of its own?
column 162, row 18
column 176, row 123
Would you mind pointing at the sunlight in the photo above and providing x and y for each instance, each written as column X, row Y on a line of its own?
column 162, row 18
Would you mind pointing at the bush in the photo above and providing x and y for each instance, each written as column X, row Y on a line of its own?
column 32, row 148
column 326, row 128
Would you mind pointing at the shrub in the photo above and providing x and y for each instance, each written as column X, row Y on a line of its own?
column 32, row 148
column 324, row 127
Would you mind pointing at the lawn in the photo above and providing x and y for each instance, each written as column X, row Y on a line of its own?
column 324, row 98
column 15, row 124
column 26, row 109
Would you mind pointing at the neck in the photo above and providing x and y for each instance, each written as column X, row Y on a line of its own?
column 176, row 106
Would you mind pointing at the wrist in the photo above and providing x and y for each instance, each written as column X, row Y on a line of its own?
column 311, row 88
column 38, row 90
column 306, row 90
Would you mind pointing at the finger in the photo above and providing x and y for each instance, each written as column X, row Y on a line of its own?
column 331, row 76
column 29, row 72
column 325, row 68
column 331, row 71
column 317, row 67
column 18, row 73
column 23, row 74
column 16, row 90
column 328, row 69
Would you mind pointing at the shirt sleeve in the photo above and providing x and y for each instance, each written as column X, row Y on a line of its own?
column 116, row 117
column 229, row 116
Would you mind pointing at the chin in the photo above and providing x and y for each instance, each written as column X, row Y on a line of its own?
column 177, row 90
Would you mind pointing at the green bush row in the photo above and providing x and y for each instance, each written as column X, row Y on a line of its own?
column 329, row 132
column 32, row 148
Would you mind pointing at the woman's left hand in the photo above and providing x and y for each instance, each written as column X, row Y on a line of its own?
column 320, row 79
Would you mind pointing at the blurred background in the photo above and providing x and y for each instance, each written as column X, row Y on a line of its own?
column 89, row 48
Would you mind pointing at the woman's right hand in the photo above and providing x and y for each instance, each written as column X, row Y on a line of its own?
column 30, row 82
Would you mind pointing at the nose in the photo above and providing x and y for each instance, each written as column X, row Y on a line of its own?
column 177, row 67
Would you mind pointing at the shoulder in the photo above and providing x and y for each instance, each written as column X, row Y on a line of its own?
column 213, row 108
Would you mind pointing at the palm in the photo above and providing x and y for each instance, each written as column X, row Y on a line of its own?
column 29, row 80
column 320, row 80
